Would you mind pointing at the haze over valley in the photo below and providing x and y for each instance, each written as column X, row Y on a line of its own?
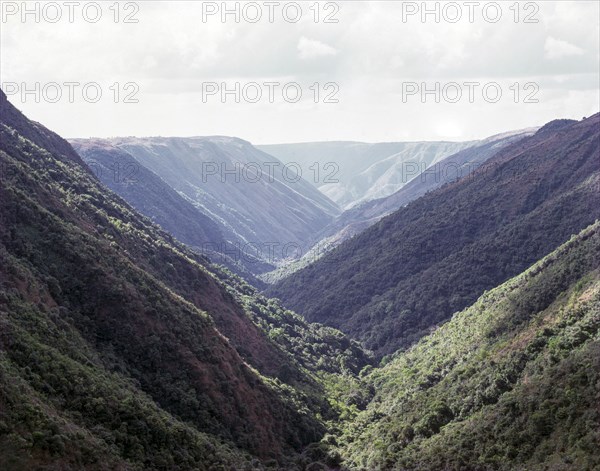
column 299, row 236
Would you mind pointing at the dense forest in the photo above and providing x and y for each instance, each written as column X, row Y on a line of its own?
column 121, row 348
column 509, row 383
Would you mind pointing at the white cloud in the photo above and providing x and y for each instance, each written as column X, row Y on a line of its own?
column 368, row 53
column 557, row 49
column 311, row 48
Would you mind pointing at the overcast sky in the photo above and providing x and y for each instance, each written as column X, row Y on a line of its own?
column 371, row 60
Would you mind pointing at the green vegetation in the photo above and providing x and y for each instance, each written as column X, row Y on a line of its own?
column 122, row 349
column 392, row 283
column 510, row 383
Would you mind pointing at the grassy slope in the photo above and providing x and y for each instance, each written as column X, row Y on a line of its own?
column 511, row 383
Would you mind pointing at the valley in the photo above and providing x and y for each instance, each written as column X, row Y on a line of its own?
column 431, row 334
column 351, row 173
column 300, row 236
column 437, row 255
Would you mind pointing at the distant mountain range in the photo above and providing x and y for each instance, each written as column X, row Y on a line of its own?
column 350, row 173
column 393, row 282
column 355, row 220
column 153, row 197
column 447, row 170
column 259, row 216
column 260, row 210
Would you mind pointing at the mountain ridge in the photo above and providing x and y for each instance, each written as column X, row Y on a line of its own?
column 353, row 172
column 358, row 218
column 391, row 268
column 121, row 348
column 261, row 206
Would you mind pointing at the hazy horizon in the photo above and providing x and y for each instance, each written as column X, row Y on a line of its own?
column 543, row 59
column 260, row 144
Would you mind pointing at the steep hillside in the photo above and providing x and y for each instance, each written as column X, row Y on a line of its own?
column 144, row 190
column 358, row 218
column 459, row 165
column 354, row 172
column 154, row 198
column 267, row 206
column 511, row 383
column 447, row 170
column 414, row 269
column 122, row 349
